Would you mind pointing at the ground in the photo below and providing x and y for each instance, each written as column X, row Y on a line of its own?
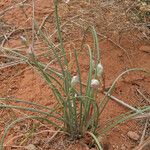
column 124, row 44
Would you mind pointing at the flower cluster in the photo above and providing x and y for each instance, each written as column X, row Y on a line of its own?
column 94, row 82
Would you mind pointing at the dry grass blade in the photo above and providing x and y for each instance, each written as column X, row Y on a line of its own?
column 121, row 102
column 143, row 134
column 145, row 98
column 145, row 115
column 144, row 146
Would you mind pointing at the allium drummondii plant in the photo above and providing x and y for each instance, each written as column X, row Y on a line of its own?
column 78, row 109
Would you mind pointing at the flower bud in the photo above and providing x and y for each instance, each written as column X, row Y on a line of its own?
column 95, row 83
column 66, row 1
column 24, row 40
column 99, row 70
column 74, row 80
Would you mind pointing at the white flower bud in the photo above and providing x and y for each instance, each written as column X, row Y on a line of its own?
column 99, row 70
column 74, row 80
column 94, row 83
column 66, row 1
column 24, row 40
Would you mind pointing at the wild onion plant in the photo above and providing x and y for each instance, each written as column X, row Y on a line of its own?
column 78, row 109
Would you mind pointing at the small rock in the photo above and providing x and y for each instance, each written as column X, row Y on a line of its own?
column 31, row 147
column 133, row 135
column 115, row 147
column 123, row 147
column 37, row 141
column 145, row 48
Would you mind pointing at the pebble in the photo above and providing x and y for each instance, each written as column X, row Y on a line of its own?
column 31, row 147
column 37, row 141
column 133, row 135
column 123, row 147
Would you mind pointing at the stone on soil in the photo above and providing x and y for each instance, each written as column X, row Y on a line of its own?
column 133, row 135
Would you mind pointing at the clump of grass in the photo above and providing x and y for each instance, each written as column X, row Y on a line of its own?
column 78, row 109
